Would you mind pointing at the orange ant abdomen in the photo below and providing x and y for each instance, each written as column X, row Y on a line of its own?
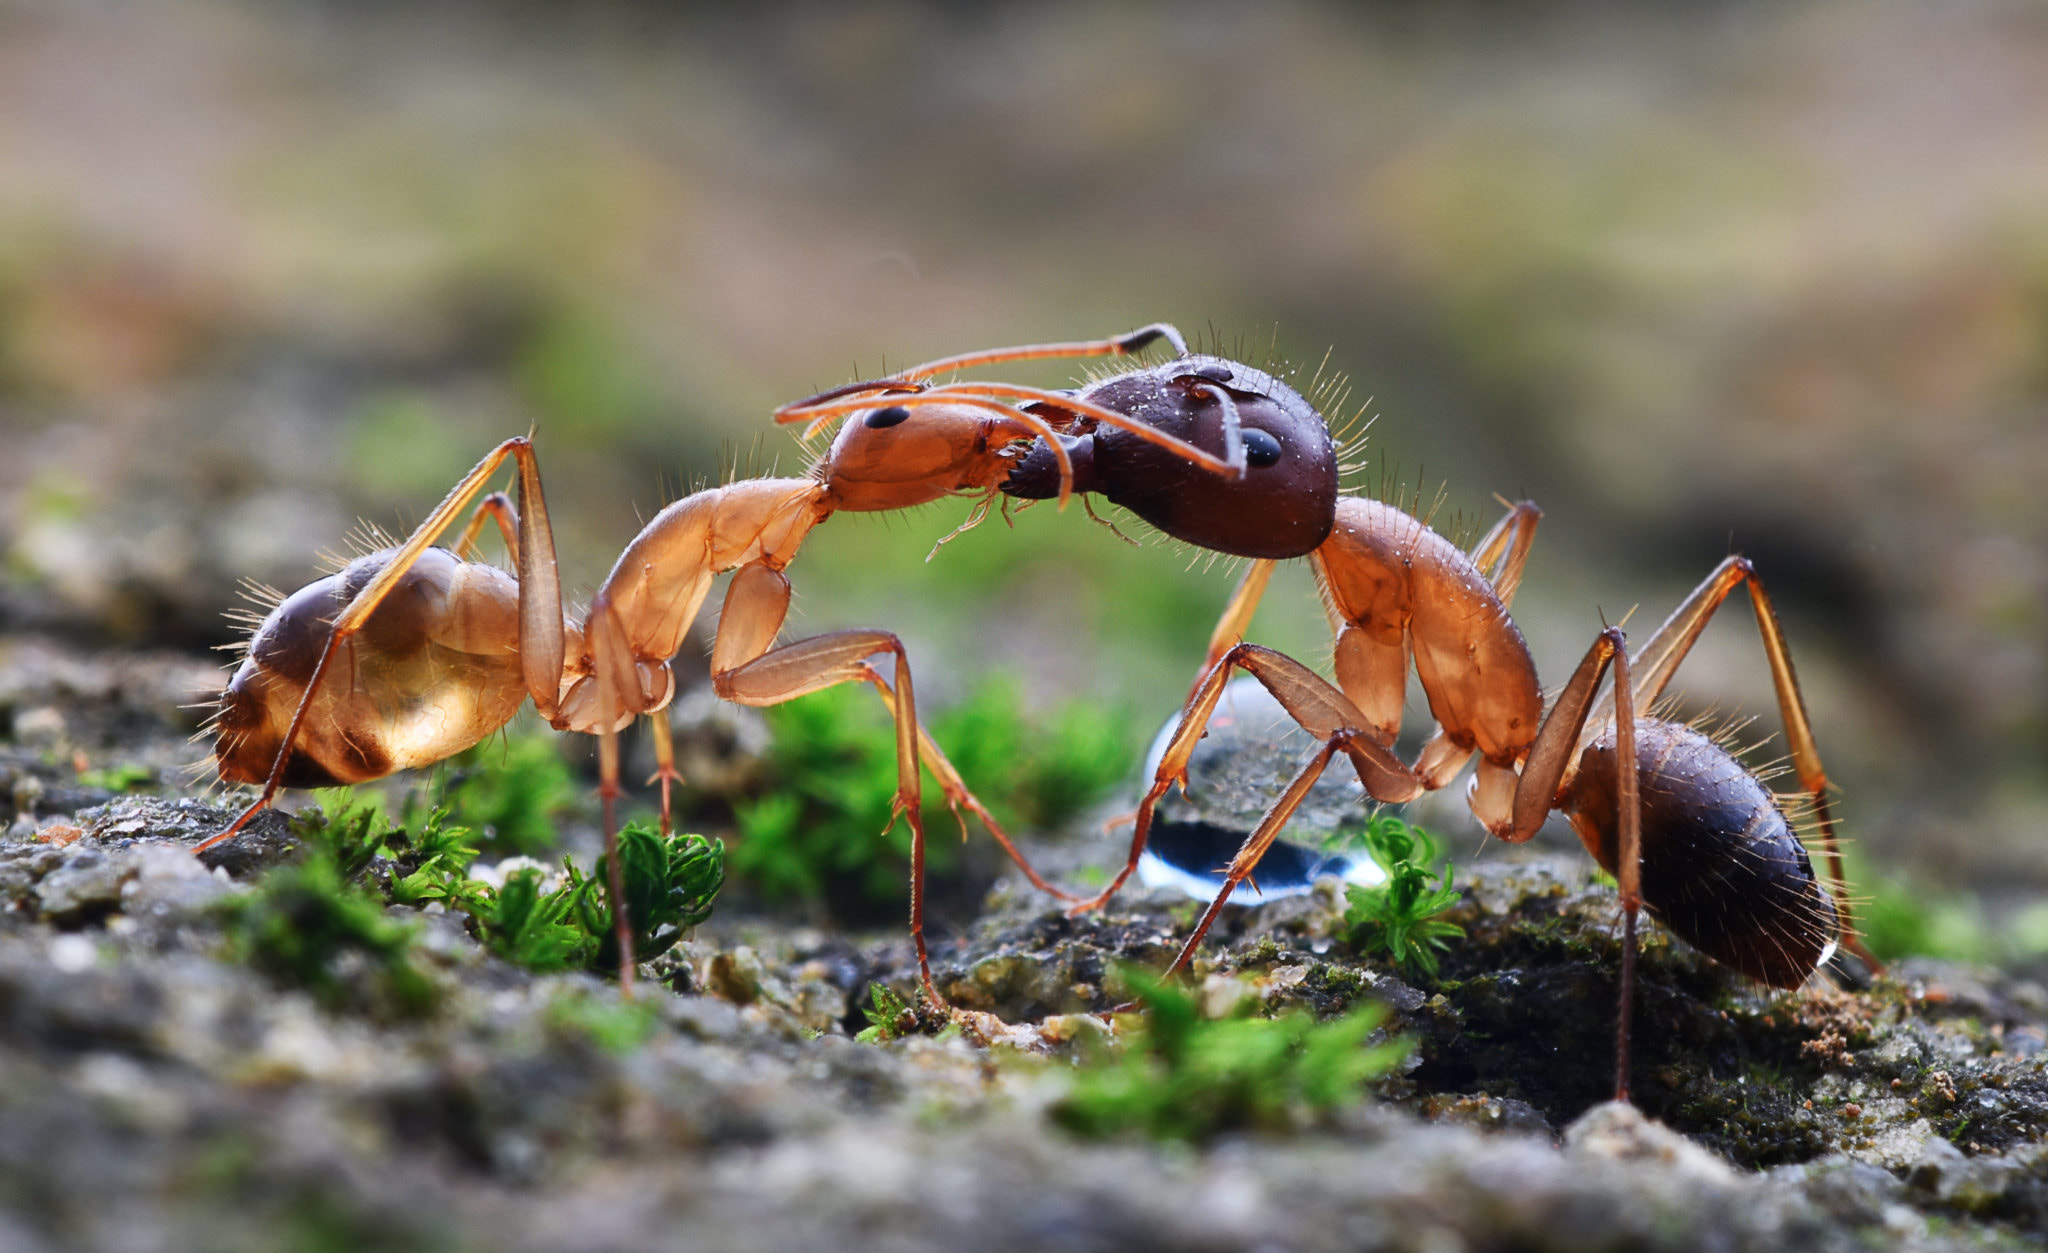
column 1721, row 865
column 434, row 670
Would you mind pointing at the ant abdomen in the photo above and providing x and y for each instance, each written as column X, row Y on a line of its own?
column 434, row 670
column 1721, row 865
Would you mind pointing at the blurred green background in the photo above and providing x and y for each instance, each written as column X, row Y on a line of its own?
column 1699, row 279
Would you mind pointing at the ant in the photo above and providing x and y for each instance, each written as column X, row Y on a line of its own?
column 1684, row 829
column 413, row 653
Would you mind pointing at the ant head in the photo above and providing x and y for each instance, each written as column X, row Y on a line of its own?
column 1285, row 504
column 897, row 455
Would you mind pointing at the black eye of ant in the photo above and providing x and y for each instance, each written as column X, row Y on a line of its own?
column 1260, row 448
column 1214, row 371
column 881, row 419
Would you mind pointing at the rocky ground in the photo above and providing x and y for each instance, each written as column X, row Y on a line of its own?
column 157, row 1093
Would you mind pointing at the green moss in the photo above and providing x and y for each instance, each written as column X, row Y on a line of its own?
column 1188, row 1078
column 1399, row 917
column 670, row 883
column 533, row 929
column 513, row 793
column 889, row 1016
column 825, row 829
column 306, row 925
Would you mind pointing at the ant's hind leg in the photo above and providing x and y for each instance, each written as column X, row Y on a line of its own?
column 1558, row 743
column 665, row 772
column 962, row 800
column 1659, row 659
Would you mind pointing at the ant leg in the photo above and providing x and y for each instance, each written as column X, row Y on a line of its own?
column 540, row 605
column 496, row 507
column 1321, row 710
column 1237, row 615
column 665, row 771
column 1628, row 858
column 746, row 670
column 959, row 797
column 613, row 660
column 1256, row 844
column 1660, row 658
column 1560, row 740
column 1504, row 550
column 1556, row 746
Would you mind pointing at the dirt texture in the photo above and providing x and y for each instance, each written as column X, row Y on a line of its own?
column 157, row 1094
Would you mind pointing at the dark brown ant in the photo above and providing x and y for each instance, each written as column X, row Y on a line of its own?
column 1688, row 832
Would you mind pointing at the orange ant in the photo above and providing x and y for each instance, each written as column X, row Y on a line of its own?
column 414, row 653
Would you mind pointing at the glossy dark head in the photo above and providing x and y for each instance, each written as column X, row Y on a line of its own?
column 1285, row 504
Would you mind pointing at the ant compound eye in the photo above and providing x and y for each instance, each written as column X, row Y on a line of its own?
column 1214, row 371
column 1260, row 448
column 882, row 419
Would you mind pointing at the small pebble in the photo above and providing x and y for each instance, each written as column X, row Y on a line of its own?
column 42, row 727
column 73, row 954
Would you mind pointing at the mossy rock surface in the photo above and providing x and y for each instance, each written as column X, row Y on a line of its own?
column 151, row 1086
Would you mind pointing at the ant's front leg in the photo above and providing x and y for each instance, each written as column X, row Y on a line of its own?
column 1321, row 709
column 746, row 670
column 962, row 800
